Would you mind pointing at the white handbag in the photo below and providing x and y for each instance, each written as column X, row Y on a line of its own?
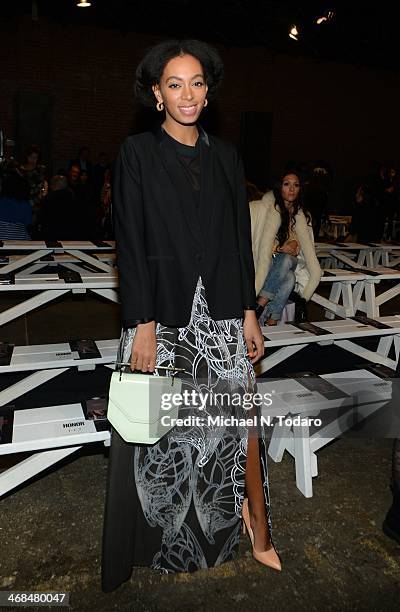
column 141, row 407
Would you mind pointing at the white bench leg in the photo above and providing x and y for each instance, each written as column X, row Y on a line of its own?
column 370, row 259
column 280, row 440
column 109, row 294
column 358, row 290
column 334, row 297
column 372, row 309
column 280, row 355
column 361, row 258
column 347, row 296
column 28, row 383
column 302, row 457
column 397, row 348
column 385, row 344
column 314, row 465
column 23, row 471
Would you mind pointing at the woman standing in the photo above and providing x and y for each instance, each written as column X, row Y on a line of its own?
column 283, row 248
column 183, row 238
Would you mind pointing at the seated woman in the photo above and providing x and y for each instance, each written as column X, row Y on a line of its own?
column 283, row 248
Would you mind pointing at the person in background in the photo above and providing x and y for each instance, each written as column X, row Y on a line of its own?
column 368, row 217
column 88, row 207
column 316, row 194
column 83, row 162
column 99, row 171
column 104, row 212
column 283, row 249
column 35, row 173
column 391, row 198
column 74, row 178
column 84, row 178
column 15, row 208
column 60, row 214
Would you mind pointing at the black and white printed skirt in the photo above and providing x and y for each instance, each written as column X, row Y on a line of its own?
column 176, row 506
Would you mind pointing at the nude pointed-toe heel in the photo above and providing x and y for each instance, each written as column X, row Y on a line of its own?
column 267, row 557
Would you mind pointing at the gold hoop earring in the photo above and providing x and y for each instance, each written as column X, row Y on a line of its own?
column 205, row 103
column 160, row 106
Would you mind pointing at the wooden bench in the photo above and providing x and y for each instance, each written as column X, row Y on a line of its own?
column 304, row 411
column 51, row 360
column 53, row 259
column 57, row 245
column 290, row 338
column 365, row 298
column 51, row 432
column 340, row 301
column 97, row 277
column 370, row 255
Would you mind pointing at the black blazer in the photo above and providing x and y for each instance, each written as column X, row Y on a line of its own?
column 164, row 242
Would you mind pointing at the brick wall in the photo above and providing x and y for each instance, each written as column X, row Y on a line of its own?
column 342, row 113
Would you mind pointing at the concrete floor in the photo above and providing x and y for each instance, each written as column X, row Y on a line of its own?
column 334, row 554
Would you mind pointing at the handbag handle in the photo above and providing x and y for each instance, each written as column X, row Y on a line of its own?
column 167, row 368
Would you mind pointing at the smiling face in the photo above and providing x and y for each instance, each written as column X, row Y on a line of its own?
column 183, row 90
column 290, row 188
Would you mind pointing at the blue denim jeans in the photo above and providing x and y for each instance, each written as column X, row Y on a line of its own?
column 279, row 283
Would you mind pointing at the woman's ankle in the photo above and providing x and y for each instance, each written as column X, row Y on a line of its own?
column 257, row 518
column 262, row 538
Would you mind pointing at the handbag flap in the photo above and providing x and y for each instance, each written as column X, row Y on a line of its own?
column 143, row 398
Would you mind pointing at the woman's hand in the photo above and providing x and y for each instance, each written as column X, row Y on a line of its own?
column 144, row 348
column 253, row 336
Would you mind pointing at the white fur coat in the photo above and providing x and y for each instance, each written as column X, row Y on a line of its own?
column 265, row 222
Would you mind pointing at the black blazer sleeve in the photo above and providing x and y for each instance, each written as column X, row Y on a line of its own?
column 134, row 279
column 244, row 238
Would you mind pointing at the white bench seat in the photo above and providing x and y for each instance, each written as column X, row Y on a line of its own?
column 289, row 339
column 44, row 356
column 30, row 245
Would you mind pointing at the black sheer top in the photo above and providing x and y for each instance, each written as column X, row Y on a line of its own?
column 189, row 157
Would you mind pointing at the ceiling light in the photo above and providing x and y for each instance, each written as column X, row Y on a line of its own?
column 325, row 17
column 293, row 32
column 83, row 3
